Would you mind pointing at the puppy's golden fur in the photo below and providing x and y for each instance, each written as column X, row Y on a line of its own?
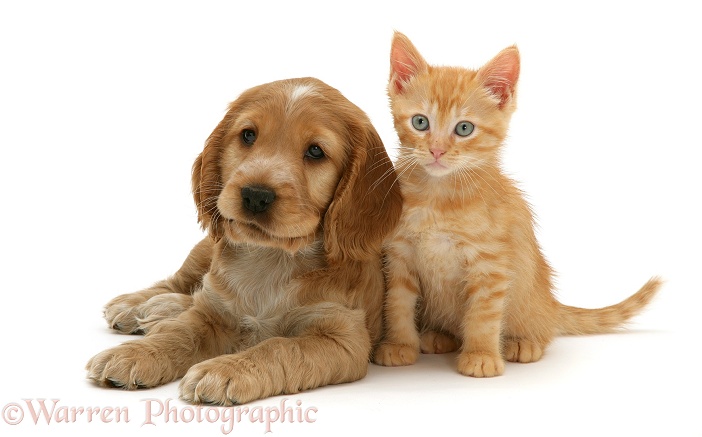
column 286, row 292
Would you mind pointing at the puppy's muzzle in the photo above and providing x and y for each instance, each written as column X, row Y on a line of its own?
column 257, row 199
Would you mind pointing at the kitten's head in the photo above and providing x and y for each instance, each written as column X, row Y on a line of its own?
column 450, row 118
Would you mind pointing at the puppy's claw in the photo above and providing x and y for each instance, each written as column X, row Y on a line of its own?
column 114, row 383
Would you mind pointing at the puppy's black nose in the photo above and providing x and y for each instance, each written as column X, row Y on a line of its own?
column 257, row 199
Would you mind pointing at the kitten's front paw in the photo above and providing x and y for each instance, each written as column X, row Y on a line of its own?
column 432, row 342
column 390, row 354
column 522, row 351
column 132, row 365
column 225, row 380
column 480, row 364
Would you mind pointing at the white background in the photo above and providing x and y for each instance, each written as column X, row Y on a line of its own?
column 105, row 105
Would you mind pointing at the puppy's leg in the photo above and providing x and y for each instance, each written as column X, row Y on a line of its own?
column 324, row 344
column 167, row 351
column 136, row 313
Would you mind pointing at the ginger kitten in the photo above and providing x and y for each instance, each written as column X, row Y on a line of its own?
column 464, row 264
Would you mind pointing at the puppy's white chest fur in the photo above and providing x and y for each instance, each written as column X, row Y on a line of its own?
column 259, row 283
column 259, row 277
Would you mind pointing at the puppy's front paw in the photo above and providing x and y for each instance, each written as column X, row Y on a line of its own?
column 134, row 314
column 432, row 342
column 163, row 306
column 131, row 365
column 121, row 312
column 225, row 380
column 480, row 364
column 391, row 354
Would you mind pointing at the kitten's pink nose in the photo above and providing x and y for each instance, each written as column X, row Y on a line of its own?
column 438, row 153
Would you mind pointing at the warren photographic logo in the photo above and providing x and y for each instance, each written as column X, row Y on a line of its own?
column 154, row 412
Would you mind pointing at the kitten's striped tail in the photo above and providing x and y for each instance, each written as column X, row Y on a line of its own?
column 580, row 321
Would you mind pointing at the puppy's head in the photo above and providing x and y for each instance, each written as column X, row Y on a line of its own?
column 293, row 160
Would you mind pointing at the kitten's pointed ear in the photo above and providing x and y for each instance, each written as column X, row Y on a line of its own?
column 405, row 62
column 500, row 75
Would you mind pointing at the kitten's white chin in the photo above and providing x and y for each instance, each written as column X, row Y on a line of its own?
column 437, row 169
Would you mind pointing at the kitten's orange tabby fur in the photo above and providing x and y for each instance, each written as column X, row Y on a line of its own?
column 464, row 263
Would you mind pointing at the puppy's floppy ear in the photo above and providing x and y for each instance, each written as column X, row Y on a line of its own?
column 367, row 203
column 207, row 181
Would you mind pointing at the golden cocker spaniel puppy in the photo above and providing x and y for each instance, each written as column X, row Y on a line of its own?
column 285, row 294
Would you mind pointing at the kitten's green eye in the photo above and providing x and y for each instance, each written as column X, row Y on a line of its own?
column 420, row 122
column 464, row 128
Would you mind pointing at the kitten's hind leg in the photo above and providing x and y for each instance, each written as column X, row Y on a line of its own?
column 433, row 342
column 520, row 350
column 527, row 332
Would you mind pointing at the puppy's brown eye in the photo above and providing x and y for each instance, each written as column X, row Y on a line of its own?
column 314, row 152
column 248, row 136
